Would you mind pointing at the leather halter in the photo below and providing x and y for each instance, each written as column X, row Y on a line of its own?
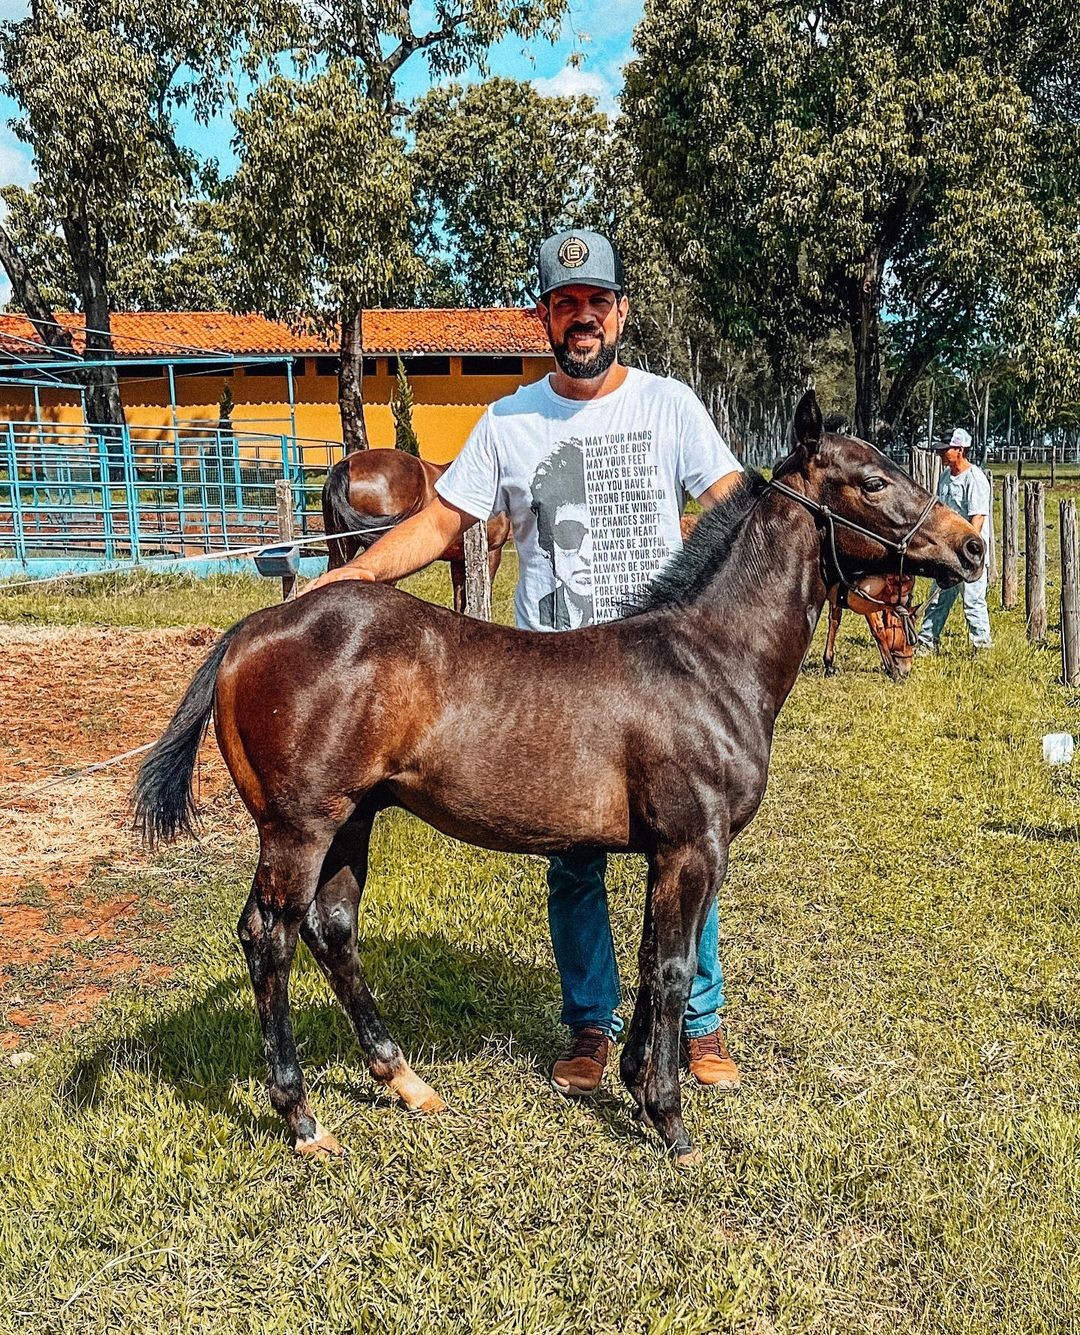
column 826, row 521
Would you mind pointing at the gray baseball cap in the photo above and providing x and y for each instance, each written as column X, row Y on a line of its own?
column 579, row 257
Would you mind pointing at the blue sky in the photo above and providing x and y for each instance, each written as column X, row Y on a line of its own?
column 599, row 30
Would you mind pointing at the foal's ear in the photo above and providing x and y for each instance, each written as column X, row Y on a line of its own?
column 808, row 425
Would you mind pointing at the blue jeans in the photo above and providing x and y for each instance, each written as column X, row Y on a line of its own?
column 940, row 604
column 585, row 954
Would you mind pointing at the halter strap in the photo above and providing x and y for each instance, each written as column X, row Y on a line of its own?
column 828, row 519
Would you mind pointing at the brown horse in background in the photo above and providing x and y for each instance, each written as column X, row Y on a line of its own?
column 650, row 734
column 376, row 490
column 891, row 625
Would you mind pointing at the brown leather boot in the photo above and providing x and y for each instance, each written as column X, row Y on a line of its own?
column 578, row 1074
column 710, row 1062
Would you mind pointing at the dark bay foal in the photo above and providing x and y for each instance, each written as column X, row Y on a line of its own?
column 651, row 735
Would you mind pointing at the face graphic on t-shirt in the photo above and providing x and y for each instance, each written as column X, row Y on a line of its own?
column 572, row 554
column 564, row 534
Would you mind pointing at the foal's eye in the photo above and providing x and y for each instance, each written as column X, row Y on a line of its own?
column 874, row 484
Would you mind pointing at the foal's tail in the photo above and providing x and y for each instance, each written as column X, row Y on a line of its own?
column 340, row 517
column 164, row 804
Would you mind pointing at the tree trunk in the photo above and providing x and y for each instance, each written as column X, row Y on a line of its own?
column 864, row 313
column 28, row 295
column 351, row 382
column 89, row 253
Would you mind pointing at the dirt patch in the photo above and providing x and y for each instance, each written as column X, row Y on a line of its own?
column 73, row 697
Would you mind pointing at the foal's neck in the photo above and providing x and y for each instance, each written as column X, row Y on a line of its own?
column 761, row 607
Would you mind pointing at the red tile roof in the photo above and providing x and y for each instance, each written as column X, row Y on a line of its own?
column 496, row 331
column 493, row 331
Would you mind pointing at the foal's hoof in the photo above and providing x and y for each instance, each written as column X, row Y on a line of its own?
column 686, row 1157
column 321, row 1146
column 430, row 1106
column 416, row 1094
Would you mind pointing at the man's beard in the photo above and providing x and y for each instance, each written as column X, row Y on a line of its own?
column 578, row 368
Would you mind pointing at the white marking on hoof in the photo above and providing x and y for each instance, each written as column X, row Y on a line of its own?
column 416, row 1094
column 321, row 1144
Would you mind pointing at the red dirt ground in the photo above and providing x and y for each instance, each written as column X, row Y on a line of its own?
column 74, row 696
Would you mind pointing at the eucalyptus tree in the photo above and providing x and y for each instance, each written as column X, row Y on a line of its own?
column 909, row 173
column 498, row 168
column 320, row 209
column 186, row 265
column 323, row 193
column 97, row 84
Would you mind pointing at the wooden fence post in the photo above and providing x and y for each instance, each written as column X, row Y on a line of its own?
column 477, row 578
column 284, row 497
column 991, row 540
column 1035, row 560
column 1010, row 539
column 1070, row 595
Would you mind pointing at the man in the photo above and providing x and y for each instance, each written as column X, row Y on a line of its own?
column 965, row 489
column 592, row 464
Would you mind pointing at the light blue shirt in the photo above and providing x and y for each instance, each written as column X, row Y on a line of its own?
column 968, row 493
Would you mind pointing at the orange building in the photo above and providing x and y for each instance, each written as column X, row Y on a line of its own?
column 174, row 367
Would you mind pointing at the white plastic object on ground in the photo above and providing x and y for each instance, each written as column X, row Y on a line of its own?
column 1058, row 748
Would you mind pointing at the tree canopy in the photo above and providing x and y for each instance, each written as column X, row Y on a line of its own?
column 98, row 83
column 499, row 168
column 867, row 166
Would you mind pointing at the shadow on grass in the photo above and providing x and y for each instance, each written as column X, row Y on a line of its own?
column 442, row 1002
column 1040, row 834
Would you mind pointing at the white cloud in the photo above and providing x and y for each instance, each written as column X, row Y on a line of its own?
column 573, row 82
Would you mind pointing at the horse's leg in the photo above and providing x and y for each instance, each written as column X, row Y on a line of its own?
column 681, row 889
column 494, row 558
column 835, row 613
column 457, row 578
column 329, row 932
column 876, row 622
column 283, row 888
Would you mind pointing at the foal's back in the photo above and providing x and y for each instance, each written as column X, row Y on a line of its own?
column 365, row 687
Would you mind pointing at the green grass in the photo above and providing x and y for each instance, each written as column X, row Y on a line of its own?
column 151, row 600
column 901, row 931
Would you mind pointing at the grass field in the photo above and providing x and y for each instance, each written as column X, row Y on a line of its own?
column 901, row 937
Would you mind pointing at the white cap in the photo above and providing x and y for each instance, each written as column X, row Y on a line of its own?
column 961, row 439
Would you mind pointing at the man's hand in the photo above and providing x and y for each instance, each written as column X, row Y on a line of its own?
column 345, row 572
column 408, row 547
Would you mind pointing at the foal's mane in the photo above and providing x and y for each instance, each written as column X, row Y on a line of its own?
column 685, row 577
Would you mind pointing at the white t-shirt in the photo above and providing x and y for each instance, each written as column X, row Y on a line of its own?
column 968, row 493
column 594, row 489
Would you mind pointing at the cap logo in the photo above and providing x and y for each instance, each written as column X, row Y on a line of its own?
column 573, row 253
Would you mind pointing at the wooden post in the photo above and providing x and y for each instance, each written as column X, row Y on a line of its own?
column 284, row 498
column 1010, row 540
column 985, row 423
column 1070, row 595
column 477, row 578
column 1035, row 560
column 991, row 540
column 1053, row 461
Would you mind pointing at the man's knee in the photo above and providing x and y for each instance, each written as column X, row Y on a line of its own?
column 576, row 874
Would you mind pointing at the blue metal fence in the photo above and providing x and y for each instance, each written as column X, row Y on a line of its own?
column 77, row 498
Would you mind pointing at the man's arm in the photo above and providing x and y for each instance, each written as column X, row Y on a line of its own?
column 720, row 488
column 405, row 549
